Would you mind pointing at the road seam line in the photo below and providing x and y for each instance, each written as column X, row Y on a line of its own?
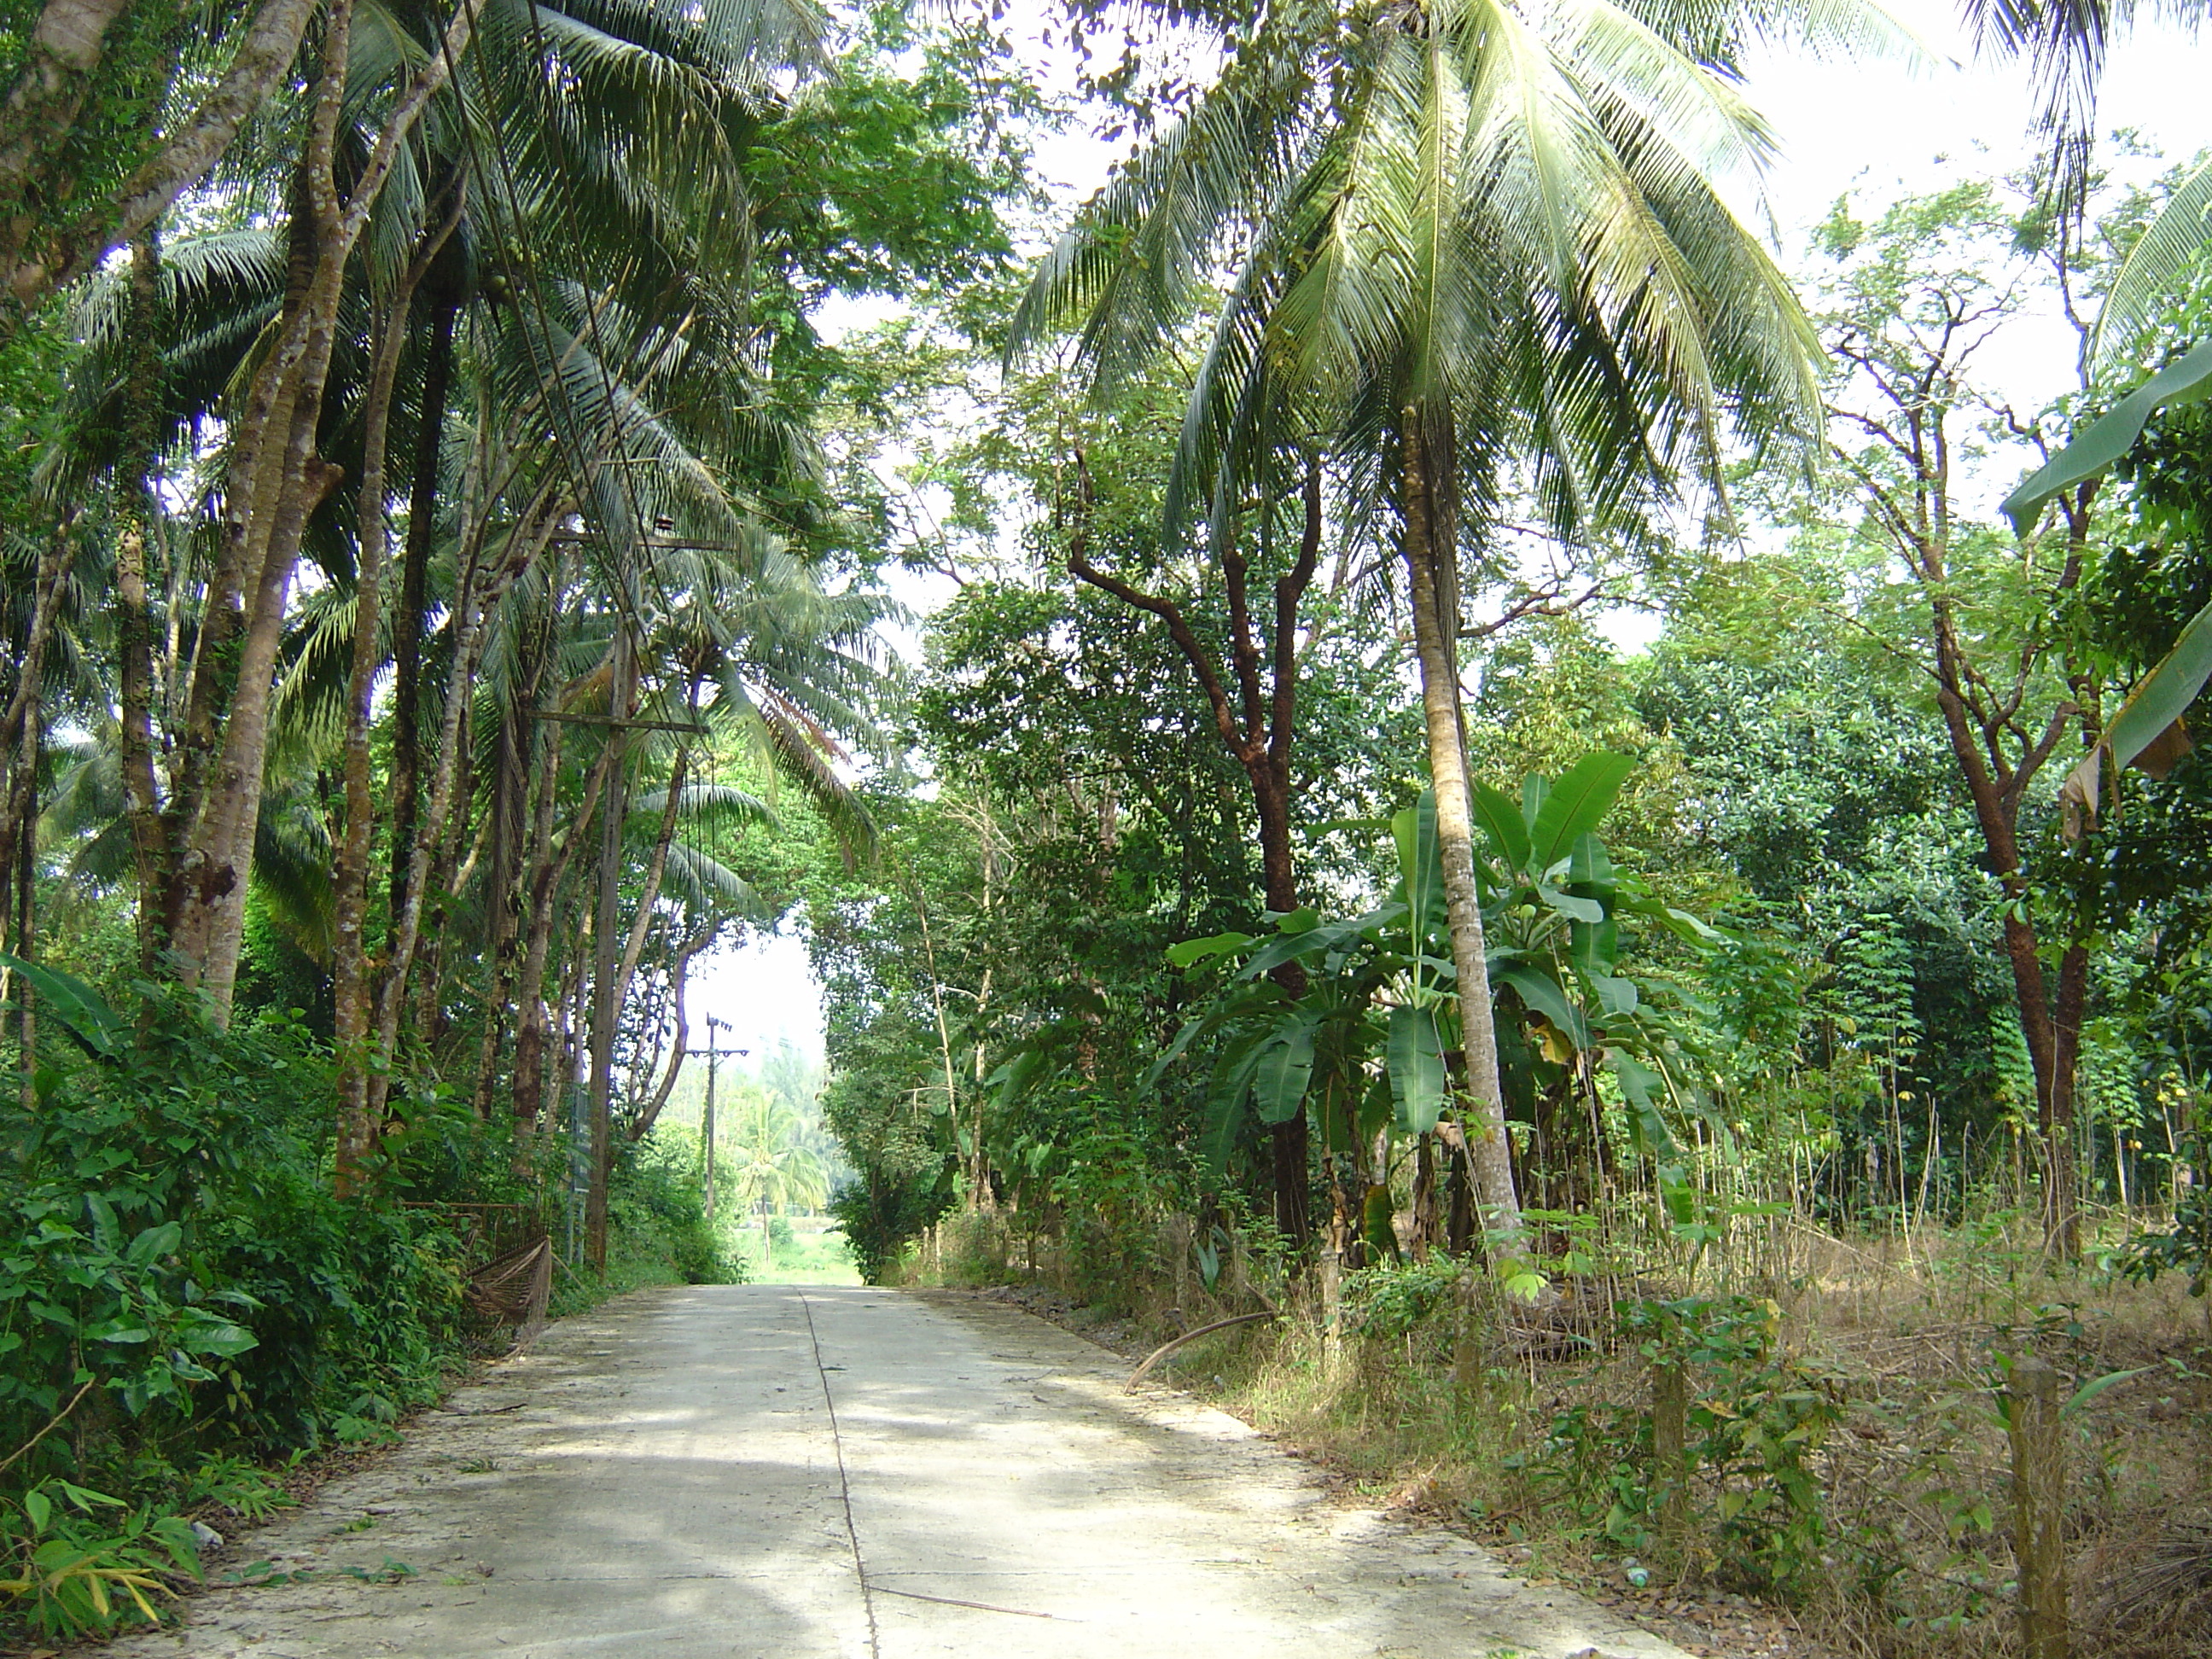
column 844, row 1482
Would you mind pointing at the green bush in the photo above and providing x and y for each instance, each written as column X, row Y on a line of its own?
column 178, row 1286
column 882, row 1212
column 1754, row 1422
column 1390, row 1302
column 657, row 1215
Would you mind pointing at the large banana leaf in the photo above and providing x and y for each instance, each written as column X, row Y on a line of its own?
column 1278, row 1083
column 1502, row 821
column 1421, row 863
column 1416, row 1055
column 2155, row 709
column 1574, row 806
column 2111, row 435
column 2152, row 712
column 97, row 1028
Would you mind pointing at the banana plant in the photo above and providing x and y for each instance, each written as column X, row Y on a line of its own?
column 1366, row 1050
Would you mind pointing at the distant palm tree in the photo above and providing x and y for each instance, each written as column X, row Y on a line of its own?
column 775, row 1171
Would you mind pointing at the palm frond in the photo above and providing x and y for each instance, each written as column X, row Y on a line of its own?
column 2153, row 270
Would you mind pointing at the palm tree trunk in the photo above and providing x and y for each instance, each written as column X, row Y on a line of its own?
column 502, row 903
column 427, row 856
column 357, row 1126
column 634, row 947
column 414, row 590
column 511, row 856
column 18, row 746
column 356, row 1132
column 23, row 801
column 606, row 1011
column 262, row 536
column 134, row 624
column 1426, row 545
column 530, row 1029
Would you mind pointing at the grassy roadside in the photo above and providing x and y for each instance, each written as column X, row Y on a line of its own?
column 1845, row 1486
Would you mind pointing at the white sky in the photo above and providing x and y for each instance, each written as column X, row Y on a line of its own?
column 1875, row 127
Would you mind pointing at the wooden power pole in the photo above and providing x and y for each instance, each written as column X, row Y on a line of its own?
column 714, row 1052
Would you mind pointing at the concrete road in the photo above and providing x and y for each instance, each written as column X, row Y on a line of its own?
column 785, row 1472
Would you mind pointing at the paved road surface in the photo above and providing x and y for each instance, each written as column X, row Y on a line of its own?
column 769, row 1472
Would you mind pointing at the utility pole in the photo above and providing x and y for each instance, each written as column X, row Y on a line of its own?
column 714, row 1052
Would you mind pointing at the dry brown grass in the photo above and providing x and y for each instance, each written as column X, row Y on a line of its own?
column 1911, row 1331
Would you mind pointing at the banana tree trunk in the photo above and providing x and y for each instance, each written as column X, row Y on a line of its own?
column 1427, row 545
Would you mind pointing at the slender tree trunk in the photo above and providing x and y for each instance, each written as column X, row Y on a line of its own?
column 24, row 799
column 2051, row 1034
column 414, row 589
column 1426, row 546
column 134, row 622
column 428, row 860
column 511, row 855
column 502, row 904
column 357, row 1129
column 606, row 1010
column 530, row 1031
column 449, row 874
column 2065, row 1200
column 407, row 926
column 634, row 947
column 19, row 744
column 679, row 974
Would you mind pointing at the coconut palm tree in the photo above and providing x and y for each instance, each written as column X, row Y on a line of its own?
column 775, row 1171
column 1479, row 255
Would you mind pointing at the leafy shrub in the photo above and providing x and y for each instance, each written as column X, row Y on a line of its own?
column 179, row 1289
column 1388, row 1302
column 168, row 1238
column 73, row 1571
column 1112, row 1187
column 2184, row 1248
column 657, row 1212
column 882, row 1212
column 1752, row 1422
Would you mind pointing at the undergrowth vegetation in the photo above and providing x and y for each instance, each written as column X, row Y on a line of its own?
column 1827, row 1435
column 186, row 1310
